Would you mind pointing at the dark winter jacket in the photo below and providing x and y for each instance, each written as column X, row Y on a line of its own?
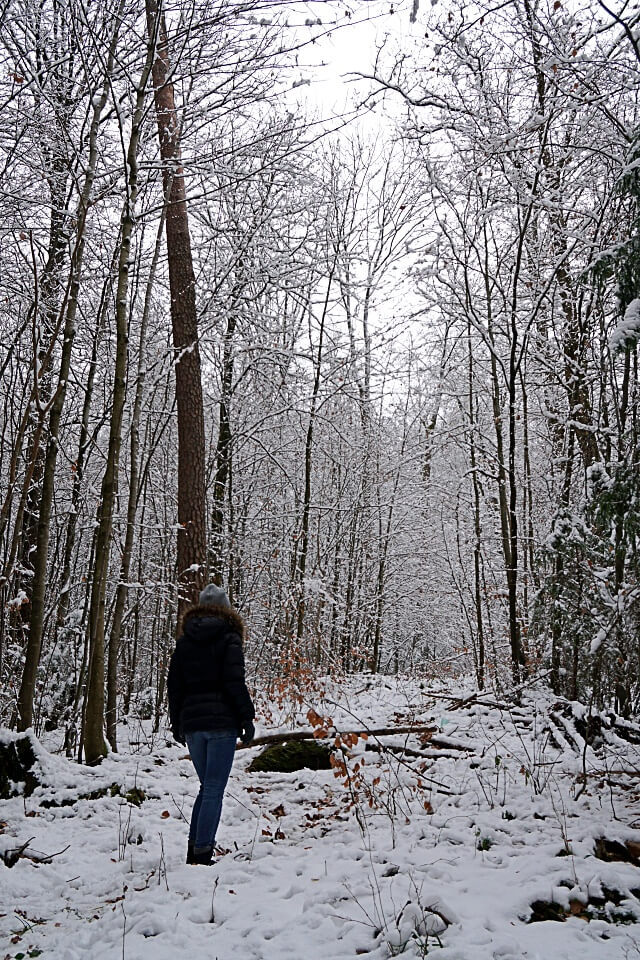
column 206, row 684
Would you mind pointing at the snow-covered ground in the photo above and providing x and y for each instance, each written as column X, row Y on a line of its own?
column 425, row 849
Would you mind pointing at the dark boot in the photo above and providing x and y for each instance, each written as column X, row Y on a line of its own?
column 190, row 853
column 202, row 855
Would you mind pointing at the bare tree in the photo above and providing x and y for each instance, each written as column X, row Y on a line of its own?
column 66, row 325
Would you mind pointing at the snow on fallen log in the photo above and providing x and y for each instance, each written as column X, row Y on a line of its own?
column 360, row 734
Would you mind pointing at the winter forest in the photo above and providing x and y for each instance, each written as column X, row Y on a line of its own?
column 335, row 305
column 376, row 372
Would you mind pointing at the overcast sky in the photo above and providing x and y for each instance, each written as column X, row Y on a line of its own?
column 330, row 65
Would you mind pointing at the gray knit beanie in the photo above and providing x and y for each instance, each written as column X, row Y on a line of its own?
column 214, row 596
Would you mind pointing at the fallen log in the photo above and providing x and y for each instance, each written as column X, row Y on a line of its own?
column 426, row 754
column 458, row 702
column 309, row 735
column 612, row 773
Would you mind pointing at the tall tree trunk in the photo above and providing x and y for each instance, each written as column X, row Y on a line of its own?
column 94, row 743
column 223, row 454
column 48, row 309
column 79, row 465
column 477, row 527
column 122, row 590
column 301, row 571
column 192, row 531
column 576, row 337
column 515, row 636
column 84, row 442
column 34, row 643
column 384, row 542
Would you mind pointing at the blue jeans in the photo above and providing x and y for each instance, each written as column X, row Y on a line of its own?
column 212, row 752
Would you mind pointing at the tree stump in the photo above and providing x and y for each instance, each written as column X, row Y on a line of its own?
column 17, row 758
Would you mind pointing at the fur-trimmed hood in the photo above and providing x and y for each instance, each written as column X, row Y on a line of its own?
column 206, row 681
column 210, row 617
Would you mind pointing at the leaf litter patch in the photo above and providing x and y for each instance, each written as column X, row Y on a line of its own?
column 613, row 906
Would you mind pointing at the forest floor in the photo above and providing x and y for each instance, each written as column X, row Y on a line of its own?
column 483, row 841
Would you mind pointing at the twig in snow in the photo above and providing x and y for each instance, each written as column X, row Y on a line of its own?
column 381, row 748
column 11, row 857
column 46, row 857
column 162, row 865
column 178, row 808
column 246, row 806
column 213, row 894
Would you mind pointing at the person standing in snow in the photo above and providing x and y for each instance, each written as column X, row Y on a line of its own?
column 209, row 707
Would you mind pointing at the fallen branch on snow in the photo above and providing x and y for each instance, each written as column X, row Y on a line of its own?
column 13, row 854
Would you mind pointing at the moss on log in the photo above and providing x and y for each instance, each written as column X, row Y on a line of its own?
column 292, row 756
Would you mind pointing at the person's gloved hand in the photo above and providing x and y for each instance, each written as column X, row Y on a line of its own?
column 179, row 737
column 248, row 732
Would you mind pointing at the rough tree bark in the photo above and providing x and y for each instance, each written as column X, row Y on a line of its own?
column 192, row 532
